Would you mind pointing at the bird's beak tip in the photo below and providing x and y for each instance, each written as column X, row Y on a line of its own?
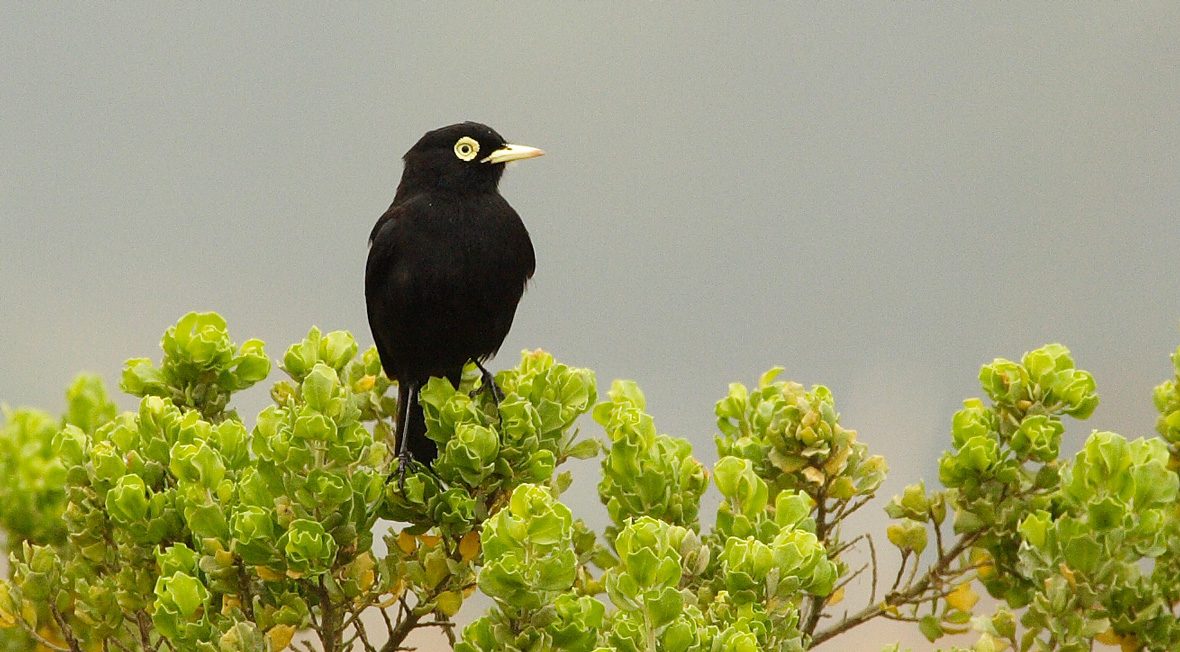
column 513, row 153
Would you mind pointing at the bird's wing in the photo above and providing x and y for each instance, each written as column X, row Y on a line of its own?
column 390, row 219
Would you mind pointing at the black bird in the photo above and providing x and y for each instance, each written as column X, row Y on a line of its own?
column 448, row 263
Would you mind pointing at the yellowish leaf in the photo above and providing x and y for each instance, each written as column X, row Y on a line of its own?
column 268, row 574
column 364, row 383
column 836, row 597
column 362, row 570
column 814, row 475
column 449, row 603
column 1109, row 637
column 28, row 612
column 51, row 635
column 963, row 597
column 1068, row 574
column 469, row 546
column 406, row 542
column 429, row 540
column 984, row 564
column 280, row 636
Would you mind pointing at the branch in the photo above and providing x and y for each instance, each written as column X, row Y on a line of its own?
column 905, row 557
column 364, row 635
column 331, row 628
column 873, row 554
column 409, row 621
column 244, row 590
column 388, row 623
column 145, row 630
column 816, row 602
column 66, row 632
column 49, row 645
column 937, row 531
column 847, row 509
column 844, row 548
column 914, row 592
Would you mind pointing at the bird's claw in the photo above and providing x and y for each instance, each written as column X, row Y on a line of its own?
column 401, row 471
column 488, row 383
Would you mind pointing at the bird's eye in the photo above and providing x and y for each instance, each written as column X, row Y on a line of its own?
column 466, row 148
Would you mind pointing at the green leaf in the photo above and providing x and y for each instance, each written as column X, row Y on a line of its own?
column 584, row 449
column 930, row 628
column 127, row 501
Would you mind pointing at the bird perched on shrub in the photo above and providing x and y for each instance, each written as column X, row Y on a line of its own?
column 448, row 263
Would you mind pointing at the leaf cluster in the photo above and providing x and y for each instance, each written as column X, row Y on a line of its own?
column 177, row 526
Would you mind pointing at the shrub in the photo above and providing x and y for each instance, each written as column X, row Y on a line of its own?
column 178, row 526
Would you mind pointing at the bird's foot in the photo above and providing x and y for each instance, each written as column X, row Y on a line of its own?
column 404, row 460
column 488, row 383
column 403, row 470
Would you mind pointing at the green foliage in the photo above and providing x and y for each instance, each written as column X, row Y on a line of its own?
column 530, row 556
column 795, row 439
column 180, row 523
column 1167, row 402
column 31, row 492
column 645, row 473
column 530, row 568
column 201, row 366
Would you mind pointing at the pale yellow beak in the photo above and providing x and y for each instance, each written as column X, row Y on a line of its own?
column 512, row 153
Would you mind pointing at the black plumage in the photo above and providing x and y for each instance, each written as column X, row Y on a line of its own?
column 448, row 263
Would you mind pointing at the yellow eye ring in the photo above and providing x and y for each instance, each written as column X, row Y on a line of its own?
column 466, row 148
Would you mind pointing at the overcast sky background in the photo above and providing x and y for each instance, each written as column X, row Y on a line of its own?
column 878, row 197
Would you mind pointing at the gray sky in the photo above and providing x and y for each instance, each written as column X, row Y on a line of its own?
column 879, row 197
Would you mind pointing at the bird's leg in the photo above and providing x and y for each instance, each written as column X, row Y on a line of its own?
column 404, row 458
column 403, row 467
column 488, row 382
column 404, row 396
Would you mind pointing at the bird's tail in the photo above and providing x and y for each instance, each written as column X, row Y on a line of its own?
column 412, row 425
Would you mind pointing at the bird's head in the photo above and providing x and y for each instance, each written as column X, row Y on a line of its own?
column 464, row 156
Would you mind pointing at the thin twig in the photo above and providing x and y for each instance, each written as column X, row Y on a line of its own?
column 449, row 630
column 900, row 618
column 816, row 602
column 353, row 616
column 914, row 570
column 848, row 579
column 849, row 508
column 873, row 554
column 412, row 618
column 359, row 624
column 914, row 591
column 330, row 619
column 145, row 630
column 66, row 632
column 41, row 639
column 244, row 590
column 404, row 610
column 905, row 557
column 937, row 532
column 844, row 548
column 385, row 617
